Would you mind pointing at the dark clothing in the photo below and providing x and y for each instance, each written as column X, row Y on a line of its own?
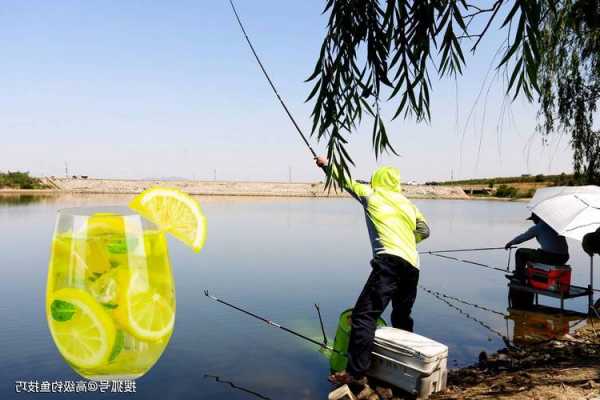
column 554, row 248
column 392, row 278
column 591, row 243
column 547, row 237
column 522, row 256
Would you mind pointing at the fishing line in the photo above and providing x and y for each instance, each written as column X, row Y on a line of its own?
column 504, row 338
column 287, row 111
column 436, row 293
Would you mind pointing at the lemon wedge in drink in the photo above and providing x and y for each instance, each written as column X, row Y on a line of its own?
column 143, row 312
column 82, row 330
column 105, row 224
column 175, row 212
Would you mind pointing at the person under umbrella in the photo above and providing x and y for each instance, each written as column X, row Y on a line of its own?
column 554, row 249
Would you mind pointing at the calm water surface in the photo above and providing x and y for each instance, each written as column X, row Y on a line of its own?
column 277, row 257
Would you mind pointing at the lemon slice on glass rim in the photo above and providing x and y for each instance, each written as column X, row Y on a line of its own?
column 175, row 212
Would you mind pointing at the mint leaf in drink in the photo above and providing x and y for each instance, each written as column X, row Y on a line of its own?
column 94, row 277
column 117, row 246
column 118, row 346
column 110, row 306
column 121, row 246
column 62, row 311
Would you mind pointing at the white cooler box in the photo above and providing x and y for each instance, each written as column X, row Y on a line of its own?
column 409, row 361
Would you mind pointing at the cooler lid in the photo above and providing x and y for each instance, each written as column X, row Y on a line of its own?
column 408, row 341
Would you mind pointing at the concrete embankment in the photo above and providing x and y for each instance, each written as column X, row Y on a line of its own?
column 224, row 188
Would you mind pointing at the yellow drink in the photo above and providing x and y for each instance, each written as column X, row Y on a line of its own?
column 110, row 300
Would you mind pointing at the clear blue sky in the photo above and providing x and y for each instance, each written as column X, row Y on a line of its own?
column 157, row 89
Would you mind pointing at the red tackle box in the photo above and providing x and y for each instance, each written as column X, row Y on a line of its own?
column 549, row 277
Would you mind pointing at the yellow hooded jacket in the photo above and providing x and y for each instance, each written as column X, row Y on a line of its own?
column 394, row 223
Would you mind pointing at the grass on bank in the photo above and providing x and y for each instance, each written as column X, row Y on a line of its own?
column 20, row 180
column 514, row 187
column 550, row 180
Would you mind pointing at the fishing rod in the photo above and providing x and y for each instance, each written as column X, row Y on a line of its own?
column 321, row 322
column 490, row 267
column 269, row 322
column 287, row 111
column 465, row 250
column 438, row 253
column 478, row 264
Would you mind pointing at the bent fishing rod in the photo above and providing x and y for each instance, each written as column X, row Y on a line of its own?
column 275, row 324
column 260, row 64
column 443, row 254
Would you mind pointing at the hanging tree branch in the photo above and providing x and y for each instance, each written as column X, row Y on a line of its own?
column 383, row 51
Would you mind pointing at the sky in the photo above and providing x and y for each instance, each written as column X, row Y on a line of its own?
column 143, row 89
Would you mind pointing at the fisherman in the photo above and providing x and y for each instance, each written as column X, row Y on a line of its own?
column 554, row 249
column 395, row 226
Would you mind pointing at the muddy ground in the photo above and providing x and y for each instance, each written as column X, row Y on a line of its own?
column 565, row 368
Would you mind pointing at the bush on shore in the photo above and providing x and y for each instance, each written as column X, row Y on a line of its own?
column 20, row 180
column 512, row 192
column 506, row 191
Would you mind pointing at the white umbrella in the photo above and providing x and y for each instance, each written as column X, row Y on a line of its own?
column 572, row 211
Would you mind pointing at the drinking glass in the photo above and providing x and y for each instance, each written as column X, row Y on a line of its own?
column 110, row 298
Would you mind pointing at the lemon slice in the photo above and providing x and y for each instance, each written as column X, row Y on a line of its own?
column 83, row 332
column 149, row 316
column 145, row 314
column 175, row 212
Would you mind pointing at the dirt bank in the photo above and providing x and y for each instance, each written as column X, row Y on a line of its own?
column 276, row 189
column 565, row 368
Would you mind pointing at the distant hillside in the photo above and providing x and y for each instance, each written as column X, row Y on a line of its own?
column 523, row 186
column 551, row 180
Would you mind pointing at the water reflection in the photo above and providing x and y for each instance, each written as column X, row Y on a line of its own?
column 18, row 199
column 535, row 324
column 541, row 324
column 276, row 256
column 236, row 387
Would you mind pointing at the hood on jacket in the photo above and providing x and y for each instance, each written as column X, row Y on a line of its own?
column 386, row 178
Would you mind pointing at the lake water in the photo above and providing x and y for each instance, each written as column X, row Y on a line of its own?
column 276, row 257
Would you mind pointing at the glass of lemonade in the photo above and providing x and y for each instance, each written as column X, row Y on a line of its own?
column 110, row 298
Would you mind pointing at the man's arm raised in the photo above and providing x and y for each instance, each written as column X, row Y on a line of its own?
column 356, row 189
